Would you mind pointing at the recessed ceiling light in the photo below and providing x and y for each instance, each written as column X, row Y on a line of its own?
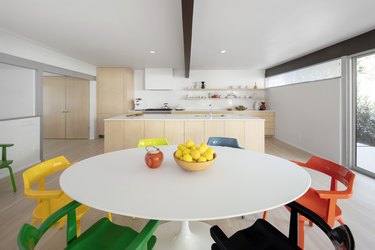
column 152, row 51
column 223, row 51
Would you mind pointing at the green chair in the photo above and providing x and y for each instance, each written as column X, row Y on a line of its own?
column 6, row 163
column 152, row 142
column 102, row 235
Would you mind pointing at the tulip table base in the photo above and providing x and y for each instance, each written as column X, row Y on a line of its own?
column 183, row 235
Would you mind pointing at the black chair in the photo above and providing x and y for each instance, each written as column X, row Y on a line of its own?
column 262, row 235
column 223, row 142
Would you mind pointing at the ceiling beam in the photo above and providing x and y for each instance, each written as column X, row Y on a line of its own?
column 187, row 25
column 350, row 46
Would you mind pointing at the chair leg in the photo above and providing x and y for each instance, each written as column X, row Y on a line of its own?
column 109, row 215
column 340, row 221
column 301, row 234
column 265, row 214
column 12, row 179
column 78, row 227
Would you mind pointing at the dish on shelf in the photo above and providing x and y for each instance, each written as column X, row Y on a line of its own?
column 241, row 107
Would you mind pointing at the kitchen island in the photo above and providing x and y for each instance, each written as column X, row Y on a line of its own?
column 122, row 132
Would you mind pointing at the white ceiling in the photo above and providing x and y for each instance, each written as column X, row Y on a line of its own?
column 256, row 34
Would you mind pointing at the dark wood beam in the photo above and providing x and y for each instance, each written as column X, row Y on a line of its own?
column 351, row 46
column 187, row 24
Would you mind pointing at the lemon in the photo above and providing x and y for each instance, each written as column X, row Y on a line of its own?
column 186, row 152
column 178, row 153
column 183, row 148
column 204, row 145
column 189, row 143
column 187, row 158
column 202, row 159
column 210, row 151
column 209, row 157
column 180, row 146
column 194, row 147
column 195, row 154
column 202, row 149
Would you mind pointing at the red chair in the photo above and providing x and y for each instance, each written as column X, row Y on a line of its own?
column 323, row 202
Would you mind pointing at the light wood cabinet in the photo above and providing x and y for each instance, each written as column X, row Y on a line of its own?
column 115, row 136
column 235, row 129
column 248, row 132
column 65, row 107
column 213, row 128
column 134, row 131
column 174, row 131
column 268, row 116
column 115, row 90
column 154, row 129
column 194, row 130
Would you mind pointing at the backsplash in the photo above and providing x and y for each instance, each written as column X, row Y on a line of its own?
column 237, row 83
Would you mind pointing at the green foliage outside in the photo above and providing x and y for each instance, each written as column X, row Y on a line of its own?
column 366, row 100
column 365, row 121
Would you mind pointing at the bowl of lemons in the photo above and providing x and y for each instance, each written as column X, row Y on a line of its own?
column 194, row 158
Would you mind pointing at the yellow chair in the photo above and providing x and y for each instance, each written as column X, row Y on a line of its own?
column 152, row 142
column 49, row 201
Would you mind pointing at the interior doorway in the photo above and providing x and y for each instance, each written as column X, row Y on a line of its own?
column 65, row 107
column 364, row 102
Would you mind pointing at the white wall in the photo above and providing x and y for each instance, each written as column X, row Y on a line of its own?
column 25, row 135
column 20, row 47
column 308, row 116
column 17, row 92
column 218, row 79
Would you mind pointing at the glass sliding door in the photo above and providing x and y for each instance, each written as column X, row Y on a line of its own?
column 364, row 89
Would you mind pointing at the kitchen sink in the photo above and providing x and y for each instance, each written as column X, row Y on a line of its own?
column 206, row 115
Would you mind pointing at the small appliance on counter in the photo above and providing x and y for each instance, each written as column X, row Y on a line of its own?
column 138, row 104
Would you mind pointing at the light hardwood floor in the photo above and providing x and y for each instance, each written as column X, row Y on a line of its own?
column 358, row 212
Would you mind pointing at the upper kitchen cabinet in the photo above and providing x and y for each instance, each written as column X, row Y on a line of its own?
column 159, row 78
column 115, row 90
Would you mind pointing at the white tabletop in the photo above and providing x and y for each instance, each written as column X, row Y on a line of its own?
column 241, row 182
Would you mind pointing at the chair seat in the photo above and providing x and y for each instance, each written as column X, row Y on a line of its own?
column 316, row 204
column 261, row 235
column 5, row 163
column 41, row 211
column 106, row 235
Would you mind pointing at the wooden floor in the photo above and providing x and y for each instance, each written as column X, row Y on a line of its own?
column 358, row 212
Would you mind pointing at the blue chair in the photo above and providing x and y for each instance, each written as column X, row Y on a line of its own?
column 223, row 142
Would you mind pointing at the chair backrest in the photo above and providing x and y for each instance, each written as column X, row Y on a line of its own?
column 334, row 170
column 223, row 142
column 4, row 151
column 341, row 236
column 40, row 171
column 29, row 236
column 152, row 142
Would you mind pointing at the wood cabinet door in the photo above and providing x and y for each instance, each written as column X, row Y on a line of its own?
column 134, row 131
column 114, row 136
column 174, row 132
column 253, row 135
column 213, row 129
column 110, row 90
column 128, row 90
column 54, row 107
column 235, row 129
column 194, row 130
column 77, row 108
column 154, row 129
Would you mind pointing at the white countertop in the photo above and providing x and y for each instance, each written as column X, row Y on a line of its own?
column 184, row 117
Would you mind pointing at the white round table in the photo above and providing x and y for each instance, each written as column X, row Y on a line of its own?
column 240, row 182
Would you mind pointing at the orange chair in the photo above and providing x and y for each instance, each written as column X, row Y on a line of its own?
column 323, row 202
